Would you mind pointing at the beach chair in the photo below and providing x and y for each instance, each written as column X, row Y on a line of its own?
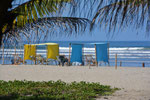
column 40, row 59
column 17, row 60
column 20, row 61
column 90, row 60
column 76, row 54
column 102, row 53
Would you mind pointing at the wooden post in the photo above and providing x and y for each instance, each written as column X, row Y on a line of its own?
column 143, row 64
column 46, row 54
column 108, row 49
column 37, row 32
column 120, row 63
column 69, row 52
column 116, row 61
column 15, row 56
column 82, row 54
column 96, row 56
column 3, row 51
column 108, row 52
column 35, row 56
column 35, row 60
column 24, row 55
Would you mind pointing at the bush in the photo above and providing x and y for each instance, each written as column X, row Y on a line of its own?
column 52, row 90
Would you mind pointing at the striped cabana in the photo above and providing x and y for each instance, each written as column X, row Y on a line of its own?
column 76, row 54
column 102, row 52
column 29, row 50
column 52, row 50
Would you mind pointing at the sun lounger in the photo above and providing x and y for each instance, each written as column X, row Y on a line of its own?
column 40, row 59
column 90, row 60
column 17, row 60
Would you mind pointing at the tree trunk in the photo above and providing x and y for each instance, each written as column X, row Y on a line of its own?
column 1, row 37
column 4, row 16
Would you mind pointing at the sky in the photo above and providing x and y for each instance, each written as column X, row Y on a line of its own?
column 128, row 34
column 101, row 35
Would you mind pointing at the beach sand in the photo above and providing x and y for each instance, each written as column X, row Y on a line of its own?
column 134, row 82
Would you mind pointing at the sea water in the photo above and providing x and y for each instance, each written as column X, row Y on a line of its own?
column 130, row 53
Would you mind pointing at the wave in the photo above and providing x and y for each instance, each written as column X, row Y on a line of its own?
column 130, row 51
column 90, row 50
column 125, row 48
column 112, row 48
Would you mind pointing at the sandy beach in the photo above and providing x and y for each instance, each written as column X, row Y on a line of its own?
column 134, row 82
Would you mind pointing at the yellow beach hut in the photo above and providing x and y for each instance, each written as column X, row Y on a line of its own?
column 52, row 50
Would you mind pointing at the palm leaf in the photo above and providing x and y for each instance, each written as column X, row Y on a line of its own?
column 51, row 26
column 148, row 22
column 121, row 13
column 32, row 10
column 26, row 12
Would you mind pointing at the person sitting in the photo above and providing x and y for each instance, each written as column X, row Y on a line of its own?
column 62, row 60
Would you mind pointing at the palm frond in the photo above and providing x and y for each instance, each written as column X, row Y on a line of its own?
column 32, row 10
column 25, row 12
column 122, row 13
column 46, row 27
column 148, row 22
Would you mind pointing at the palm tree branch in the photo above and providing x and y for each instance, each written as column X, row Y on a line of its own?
column 66, row 25
column 34, row 9
column 121, row 13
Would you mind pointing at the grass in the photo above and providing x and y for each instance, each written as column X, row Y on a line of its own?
column 59, row 90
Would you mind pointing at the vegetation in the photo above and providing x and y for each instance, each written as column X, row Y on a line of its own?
column 21, row 90
column 26, row 15
column 112, row 14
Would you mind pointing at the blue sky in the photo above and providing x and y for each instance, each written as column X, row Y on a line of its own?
column 97, row 35
column 128, row 34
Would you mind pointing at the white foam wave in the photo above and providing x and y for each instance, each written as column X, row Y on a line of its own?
column 86, row 49
column 122, row 52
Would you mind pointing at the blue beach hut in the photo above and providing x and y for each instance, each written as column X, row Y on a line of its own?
column 77, row 53
column 102, row 52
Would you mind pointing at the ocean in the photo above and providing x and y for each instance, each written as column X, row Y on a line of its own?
column 130, row 53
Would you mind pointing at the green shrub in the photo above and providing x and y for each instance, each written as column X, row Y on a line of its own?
column 22, row 90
